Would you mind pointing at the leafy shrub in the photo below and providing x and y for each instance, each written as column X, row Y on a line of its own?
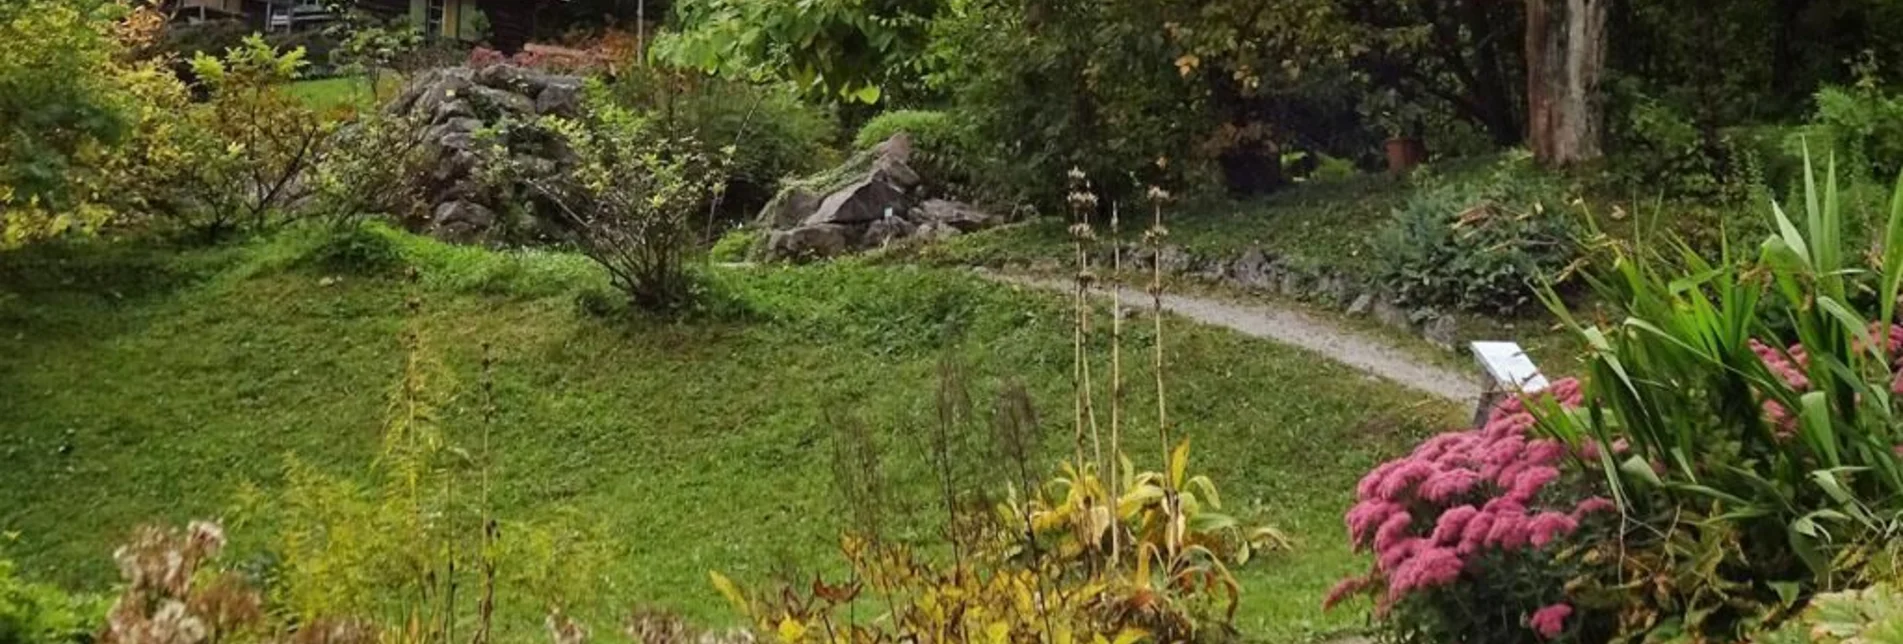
column 1873, row 614
column 63, row 106
column 375, row 164
column 246, row 153
column 1478, row 245
column 629, row 196
column 1863, row 122
column 1662, row 153
column 1742, row 416
column 773, row 133
column 359, row 250
column 736, row 245
column 32, row 613
column 1465, row 532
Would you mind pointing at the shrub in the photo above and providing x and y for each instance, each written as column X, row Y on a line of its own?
column 248, row 150
column 736, row 245
column 33, row 613
column 1864, row 122
column 628, row 197
column 63, row 106
column 1478, row 246
column 1753, row 402
column 774, row 134
column 375, row 164
column 1662, row 153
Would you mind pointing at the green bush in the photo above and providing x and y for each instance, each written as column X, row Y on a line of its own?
column 1662, row 153
column 32, row 613
column 1864, row 124
column 1478, row 245
column 1742, row 410
column 774, row 134
column 736, row 245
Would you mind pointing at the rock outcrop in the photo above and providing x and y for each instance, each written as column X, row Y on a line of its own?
column 872, row 201
column 451, row 105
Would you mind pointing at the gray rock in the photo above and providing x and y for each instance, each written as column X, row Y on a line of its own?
column 1335, row 290
column 1213, row 270
column 451, row 108
column 933, row 231
column 1388, row 314
column 513, row 78
column 1173, row 260
column 961, row 216
column 897, row 172
column 887, row 230
column 436, row 89
column 560, row 97
column 809, row 242
column 1361, row 305
column 1293, row 284
column 898, row 148
column 791, row 207
column 501, row 102
column 1443, row 331
column 860, row 202
column 462, row 220
column 1252, row 271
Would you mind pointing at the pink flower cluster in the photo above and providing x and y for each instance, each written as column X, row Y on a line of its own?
column 1791, row 364
column 1457, row 495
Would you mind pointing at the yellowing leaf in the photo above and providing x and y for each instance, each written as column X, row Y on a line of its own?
column 730, row 591
column 791, row 630
column 1187, row 64
column 1179, row 464
column 998, row 632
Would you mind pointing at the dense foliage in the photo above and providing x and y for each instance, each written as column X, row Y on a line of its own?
column 35, row 613
column 1480, row 245
column 629, row 196
column 1738, row 413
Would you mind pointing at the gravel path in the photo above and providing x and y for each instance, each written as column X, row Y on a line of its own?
column 1291, row 326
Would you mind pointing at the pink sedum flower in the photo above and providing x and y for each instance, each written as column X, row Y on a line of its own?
column 1550, row 621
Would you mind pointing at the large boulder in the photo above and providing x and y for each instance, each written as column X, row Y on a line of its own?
column 863, row 202
column 873, row 200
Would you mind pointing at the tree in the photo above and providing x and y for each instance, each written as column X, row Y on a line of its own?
column 850, row 49
column 1457, row 52
column 1565, row 59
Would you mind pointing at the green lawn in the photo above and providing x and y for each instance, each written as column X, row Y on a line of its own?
column 142, row 384
column 330, row 95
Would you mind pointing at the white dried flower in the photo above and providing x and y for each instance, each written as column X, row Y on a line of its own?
column 1158, row 194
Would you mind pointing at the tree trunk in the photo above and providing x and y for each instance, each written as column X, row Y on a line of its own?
column 1565, row 56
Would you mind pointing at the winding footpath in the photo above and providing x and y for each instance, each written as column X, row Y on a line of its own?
column 1291, row 326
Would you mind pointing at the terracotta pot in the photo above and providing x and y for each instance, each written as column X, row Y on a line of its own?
column 1404, row 153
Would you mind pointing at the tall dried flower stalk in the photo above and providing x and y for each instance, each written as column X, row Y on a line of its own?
column 1153, row 238
column 1083, row 202
column 1113, row 470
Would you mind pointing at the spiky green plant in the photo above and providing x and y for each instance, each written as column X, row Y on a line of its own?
column 1765, row 387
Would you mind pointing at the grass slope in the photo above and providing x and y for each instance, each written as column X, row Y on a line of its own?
column 143, row 384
